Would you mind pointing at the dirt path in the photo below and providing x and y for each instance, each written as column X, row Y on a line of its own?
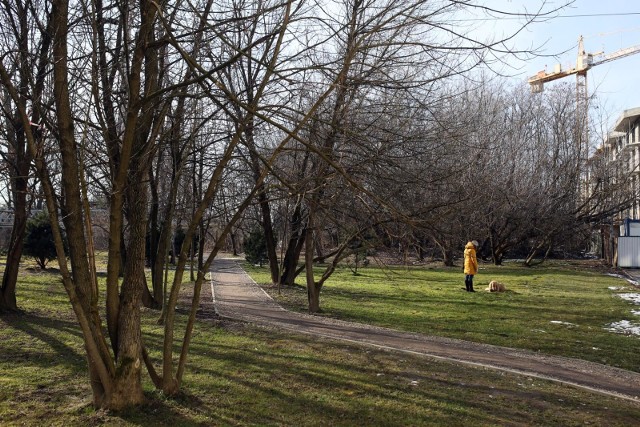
column 236, row 296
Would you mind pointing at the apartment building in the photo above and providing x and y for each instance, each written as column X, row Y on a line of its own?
column 621, row 149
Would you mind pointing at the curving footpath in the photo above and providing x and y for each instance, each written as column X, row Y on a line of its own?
column 236, row 296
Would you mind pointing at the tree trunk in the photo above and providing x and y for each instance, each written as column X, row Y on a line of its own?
column 447, row 257
column 420, row 251
column 534, row 251
column 123, row 386
column 155, row 250
column 446, row 250
column 234, row 245
column 269, row 236
column 291, row 258
column 497, row 256
column 18, row 159
column 8, row 300
column 263, row 197
column 313, row 293
column 163, row 248
column 128, row 385
column 532, row 254
column 294, row 248
column 148, row 299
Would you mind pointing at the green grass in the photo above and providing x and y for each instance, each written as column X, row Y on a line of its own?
column 433, row 301
column 243, row 375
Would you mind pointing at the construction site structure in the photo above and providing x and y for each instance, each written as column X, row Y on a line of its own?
column 584, row 62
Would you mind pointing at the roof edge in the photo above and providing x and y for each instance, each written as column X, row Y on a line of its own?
column 626, row 117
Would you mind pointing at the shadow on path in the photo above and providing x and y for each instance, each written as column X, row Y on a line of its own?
column 236, row 296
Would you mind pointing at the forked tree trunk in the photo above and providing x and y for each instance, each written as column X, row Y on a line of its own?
column 119, row 382
column 294, row 248
column 291, row 258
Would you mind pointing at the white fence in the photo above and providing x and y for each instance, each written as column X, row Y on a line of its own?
column 6, row 218
column 629, row 252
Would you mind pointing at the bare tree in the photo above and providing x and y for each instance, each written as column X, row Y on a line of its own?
column 29, row 32
column 381, row 49
column 522, row 170
column 135, row 82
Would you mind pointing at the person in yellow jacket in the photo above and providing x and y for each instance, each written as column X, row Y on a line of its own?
column 470, row 264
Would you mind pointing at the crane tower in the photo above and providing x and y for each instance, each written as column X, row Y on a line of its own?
column 584, row 62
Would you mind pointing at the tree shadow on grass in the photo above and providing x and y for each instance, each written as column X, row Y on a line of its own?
column 48, row 354
column 184, row 409
column 47, row 333
column 360, row 386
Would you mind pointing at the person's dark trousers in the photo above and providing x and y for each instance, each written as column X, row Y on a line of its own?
column 468, row 282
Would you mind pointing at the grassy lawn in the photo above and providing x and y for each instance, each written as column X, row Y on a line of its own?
column 243, row 375
column 556, row 308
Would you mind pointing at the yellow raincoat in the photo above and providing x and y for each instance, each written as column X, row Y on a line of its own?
column 470, row 260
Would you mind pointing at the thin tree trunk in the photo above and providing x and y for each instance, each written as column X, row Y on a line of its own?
column 234, row 245
column 8, row 300
column 21, row 158
column 155, row 251
column 269, row 236
column 313, row 293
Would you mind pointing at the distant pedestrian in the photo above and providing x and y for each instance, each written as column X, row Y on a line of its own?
column 470, row 264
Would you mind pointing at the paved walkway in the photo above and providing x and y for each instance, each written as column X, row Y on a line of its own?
column 237, row 296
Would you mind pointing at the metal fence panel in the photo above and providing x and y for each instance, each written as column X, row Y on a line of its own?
column 629, row 252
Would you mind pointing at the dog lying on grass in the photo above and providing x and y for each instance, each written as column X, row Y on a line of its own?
column 495, row 286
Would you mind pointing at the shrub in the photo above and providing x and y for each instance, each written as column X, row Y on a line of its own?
column 38, row 241
column 255, row 247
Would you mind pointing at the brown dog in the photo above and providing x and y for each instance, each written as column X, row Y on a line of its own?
column 495, row 286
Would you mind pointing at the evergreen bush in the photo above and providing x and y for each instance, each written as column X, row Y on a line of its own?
column 38, row 241
column 255, row 247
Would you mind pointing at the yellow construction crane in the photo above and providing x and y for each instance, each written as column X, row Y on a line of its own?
column 585, row 62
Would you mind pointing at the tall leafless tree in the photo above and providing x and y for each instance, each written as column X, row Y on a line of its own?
column 29, row 31
column 204, row 80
